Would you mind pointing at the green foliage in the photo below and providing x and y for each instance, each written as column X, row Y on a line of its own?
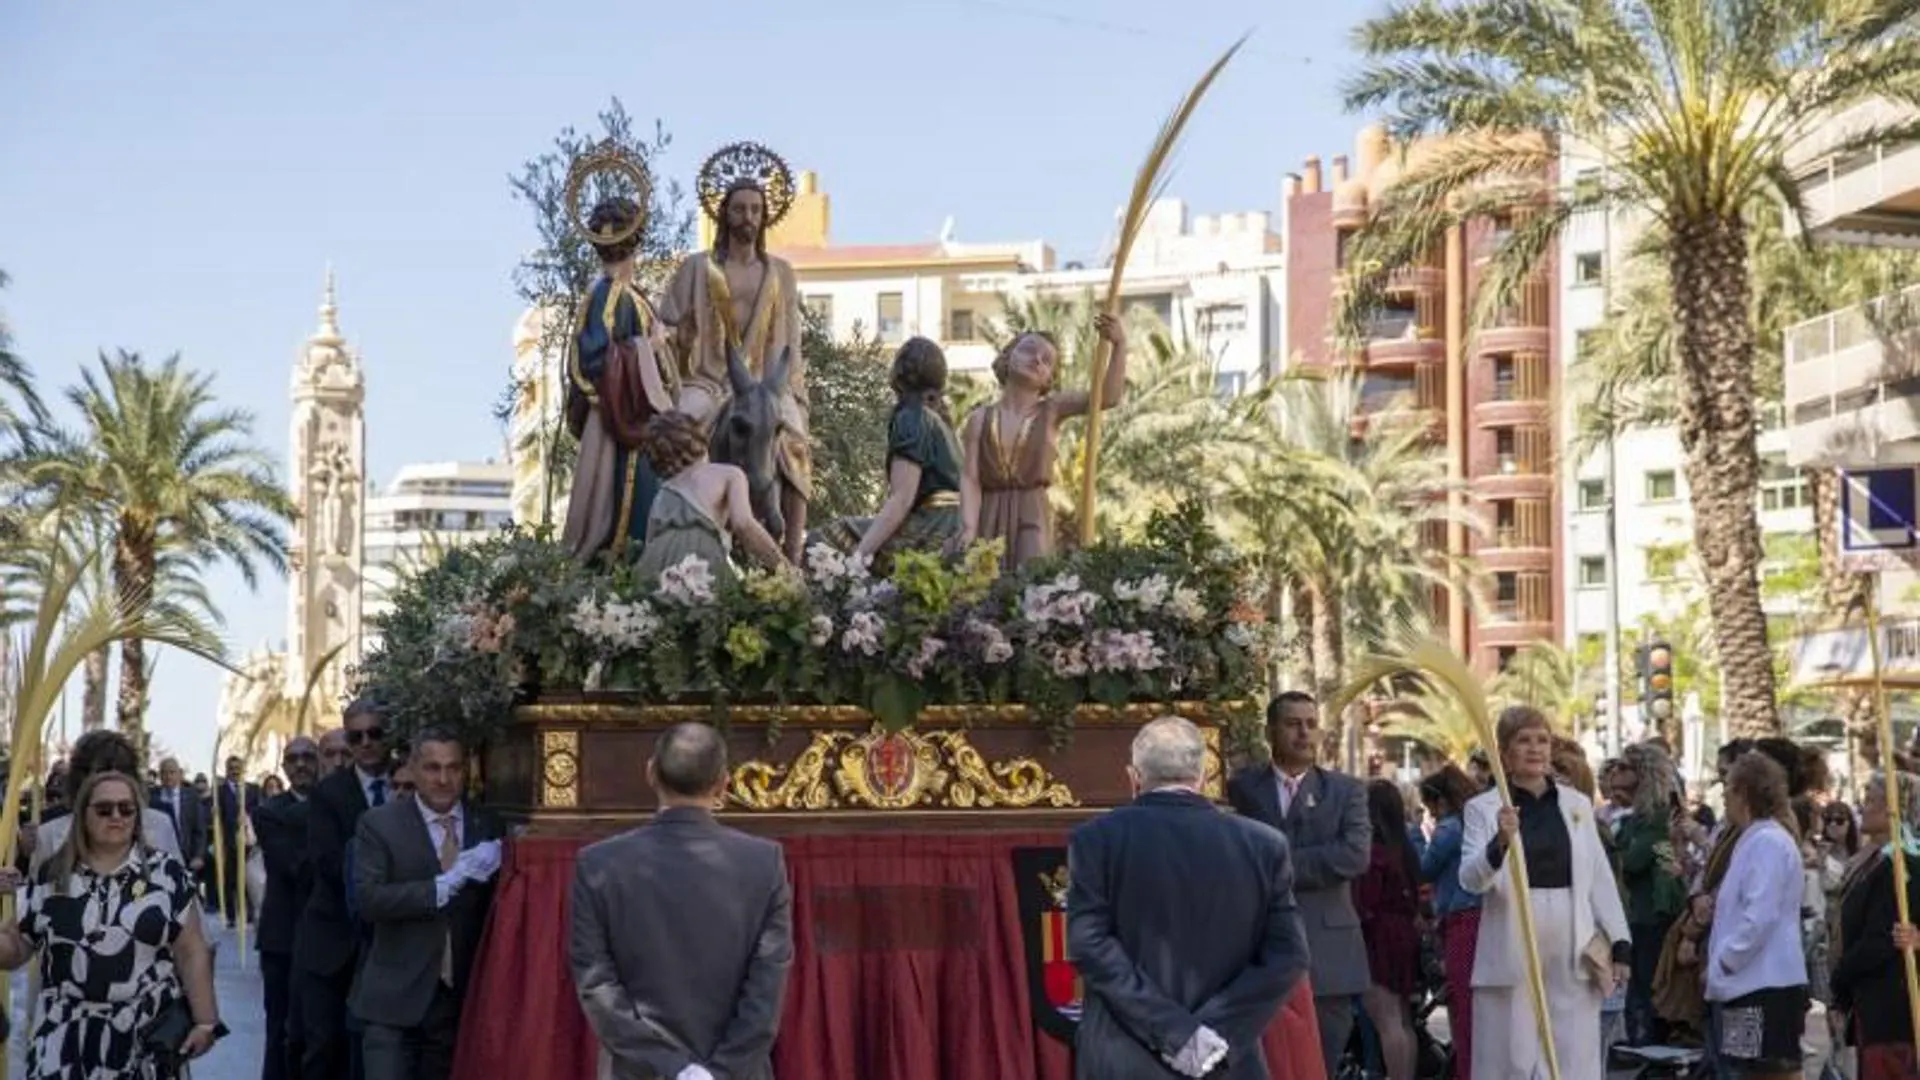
column 1161, row 620
column 850, row 403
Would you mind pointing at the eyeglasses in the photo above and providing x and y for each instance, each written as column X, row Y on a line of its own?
column 113, row 809
column 308, row 756
column 372, row 734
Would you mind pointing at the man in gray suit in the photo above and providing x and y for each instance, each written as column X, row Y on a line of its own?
column 683, row 930
column 423, row 866
column 1324, row 814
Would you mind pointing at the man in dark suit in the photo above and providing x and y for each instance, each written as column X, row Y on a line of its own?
column 327, row 946
column 1324, row 814
column 182, row 805
column 683, row 930
column 233, row 794
column 281, row 825
column 422, row 878
column 1182, row 924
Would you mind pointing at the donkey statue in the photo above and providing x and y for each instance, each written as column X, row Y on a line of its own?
column 745, row 434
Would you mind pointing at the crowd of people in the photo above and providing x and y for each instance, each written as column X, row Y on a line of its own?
column 1657, row 923
column 1653, row 921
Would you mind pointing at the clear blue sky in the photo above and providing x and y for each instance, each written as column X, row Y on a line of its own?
column 175, row 176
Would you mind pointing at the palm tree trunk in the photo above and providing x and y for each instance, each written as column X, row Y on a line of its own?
column 1711, row 287
column 133, row 573
column 93, row 690
column 1327, row 654
column 1843, row 596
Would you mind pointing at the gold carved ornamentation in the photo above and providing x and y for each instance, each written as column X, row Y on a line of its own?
column 799, row 786
column 895, row 771
column 1213, row 774
column 560, row 768
column 1015, row 784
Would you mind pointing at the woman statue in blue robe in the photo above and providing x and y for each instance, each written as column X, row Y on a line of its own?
column 616, row 383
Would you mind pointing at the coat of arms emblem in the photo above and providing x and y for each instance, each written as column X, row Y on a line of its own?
column 1040, row 876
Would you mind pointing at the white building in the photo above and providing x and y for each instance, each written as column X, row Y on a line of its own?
column 428, row 509
column 1217, row 281
column 1654, row 515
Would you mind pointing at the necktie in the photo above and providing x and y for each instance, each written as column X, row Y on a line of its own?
column 379, row 788
column 1292, row 784
column 449, row 854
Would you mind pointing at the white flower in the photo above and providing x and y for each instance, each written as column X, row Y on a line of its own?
column 1240, row 634
column 1067, row 661
column 1060, row 602
column 688, row 582
column 819, row 631
column 1121, row 650
column 994, row 647
column 863, row 634
column 828, row 566
column 930, row 650
column 1147, row 594
column 1185, row 604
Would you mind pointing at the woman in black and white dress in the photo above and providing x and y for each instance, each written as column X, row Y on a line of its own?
column 117, row 927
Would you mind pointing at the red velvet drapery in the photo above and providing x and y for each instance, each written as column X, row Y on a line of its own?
column 908, row 965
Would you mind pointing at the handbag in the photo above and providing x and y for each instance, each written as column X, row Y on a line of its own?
column 160, row 1041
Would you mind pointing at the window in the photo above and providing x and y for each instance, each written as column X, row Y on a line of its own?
column 1505, row 655
column 1663, row 563
column 890, row 319
column 1229, row 384
column 1161, row 304
column 1503, row 378
column 1662, row 486
column 1588, row 268
column 960, row 325
column 1223, row 319
column 1503, row 451
column 1593, row 571
column 821, row 305
column 1506, row 595
column 1593, row 495
column 1586, row 184
column 1782, row 487
column 1505, row 523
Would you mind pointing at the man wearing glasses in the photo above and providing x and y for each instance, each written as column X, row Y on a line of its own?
column 328, row 944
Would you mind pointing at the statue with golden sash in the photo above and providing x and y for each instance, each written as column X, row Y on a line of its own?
column 737, row 296
column 616, row 379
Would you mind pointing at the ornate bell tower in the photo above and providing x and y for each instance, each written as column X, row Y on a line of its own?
column 328, row 480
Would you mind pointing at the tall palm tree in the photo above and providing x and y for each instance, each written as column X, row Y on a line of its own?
column 175, row 476
column 1699, row 105
column 1337, row 503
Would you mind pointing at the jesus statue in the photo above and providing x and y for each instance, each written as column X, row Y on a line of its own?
column 737, row 296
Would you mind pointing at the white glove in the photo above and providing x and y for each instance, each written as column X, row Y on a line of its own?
column 445, row 885
column 1202, row 1052
column 479, row 863
column 694, row 1072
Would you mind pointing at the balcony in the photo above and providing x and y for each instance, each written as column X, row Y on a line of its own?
column 1853, row 385
column 1512, row 339
column 1866, row 198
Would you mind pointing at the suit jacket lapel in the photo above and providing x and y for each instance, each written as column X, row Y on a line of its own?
column 1305, row 796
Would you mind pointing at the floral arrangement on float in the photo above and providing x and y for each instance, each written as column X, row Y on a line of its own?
column 1169, row 618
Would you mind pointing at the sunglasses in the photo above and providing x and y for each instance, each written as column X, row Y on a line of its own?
column 372, row 734
column 113, row 809
column 303, row 757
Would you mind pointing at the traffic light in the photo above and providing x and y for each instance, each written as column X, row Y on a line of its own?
column 1656, row 680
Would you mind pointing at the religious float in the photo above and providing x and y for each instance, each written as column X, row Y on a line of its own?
column 919, row 705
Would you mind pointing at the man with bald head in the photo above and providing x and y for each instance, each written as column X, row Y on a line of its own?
column 683, row 930
column 1181, row 921
column 334, row 751
column 281, row 828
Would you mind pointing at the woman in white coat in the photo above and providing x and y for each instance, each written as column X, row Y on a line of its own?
column 1579, row 923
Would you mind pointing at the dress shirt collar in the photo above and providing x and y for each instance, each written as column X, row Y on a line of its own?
column 432, row 817
column 1523, row 798
column 366, row 780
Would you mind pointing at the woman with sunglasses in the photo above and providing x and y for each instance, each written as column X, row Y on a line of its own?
column 126, row 974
